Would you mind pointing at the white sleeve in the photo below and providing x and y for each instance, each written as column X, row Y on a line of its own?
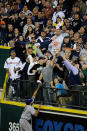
column 70, row 67
column 29, row 68
column 19, row 64
column 6, row 65
column 30, row 59
column 54, row 17
column 27, row 1
column 74, row 47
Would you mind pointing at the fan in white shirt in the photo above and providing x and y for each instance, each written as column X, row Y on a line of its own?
column 13, row 65
column 56, row 43
column 58, row 13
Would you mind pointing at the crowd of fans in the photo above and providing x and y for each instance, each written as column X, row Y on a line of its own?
column 48, row 40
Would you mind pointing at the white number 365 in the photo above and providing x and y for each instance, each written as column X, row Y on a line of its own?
column 13, row 126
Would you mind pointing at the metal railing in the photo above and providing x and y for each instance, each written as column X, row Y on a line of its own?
column 74, row 97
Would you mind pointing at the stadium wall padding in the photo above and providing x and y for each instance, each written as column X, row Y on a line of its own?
column 46, row 121
column 9, row 117
column 4, row 54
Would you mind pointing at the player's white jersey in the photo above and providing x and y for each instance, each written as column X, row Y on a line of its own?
column 11, row 64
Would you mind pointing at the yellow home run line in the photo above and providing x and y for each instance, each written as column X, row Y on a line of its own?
column 5, row 47
column 4, row 88
column 66, row 110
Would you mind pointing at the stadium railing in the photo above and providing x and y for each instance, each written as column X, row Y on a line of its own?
column 20, row 90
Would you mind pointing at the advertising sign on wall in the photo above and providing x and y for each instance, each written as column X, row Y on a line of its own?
column 60, row 122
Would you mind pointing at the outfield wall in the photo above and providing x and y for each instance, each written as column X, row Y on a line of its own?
column 48, row 120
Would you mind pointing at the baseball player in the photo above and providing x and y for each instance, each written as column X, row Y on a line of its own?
column 25, row 120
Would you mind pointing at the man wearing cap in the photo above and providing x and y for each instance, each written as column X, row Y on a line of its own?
column 74, row 80
column 25, row 120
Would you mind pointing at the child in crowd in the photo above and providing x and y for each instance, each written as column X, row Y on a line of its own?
column 60, row 91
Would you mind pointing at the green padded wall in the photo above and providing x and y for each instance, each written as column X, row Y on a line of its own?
column 46, row 121
column 4, row 54
column 9, row 118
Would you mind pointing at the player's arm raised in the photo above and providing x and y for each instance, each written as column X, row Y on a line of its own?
column 35, row 93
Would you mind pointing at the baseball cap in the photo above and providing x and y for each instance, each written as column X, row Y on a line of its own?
column 29, row 101
column 66, row 37
column 41, row 58
column 3, row 23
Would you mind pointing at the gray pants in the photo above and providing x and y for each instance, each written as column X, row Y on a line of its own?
column 25, row 125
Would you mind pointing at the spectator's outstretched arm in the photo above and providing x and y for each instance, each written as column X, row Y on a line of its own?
column 69, row 66
column 35, row 93
column 52, row 84
column 58, row 66
column 41, row 76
